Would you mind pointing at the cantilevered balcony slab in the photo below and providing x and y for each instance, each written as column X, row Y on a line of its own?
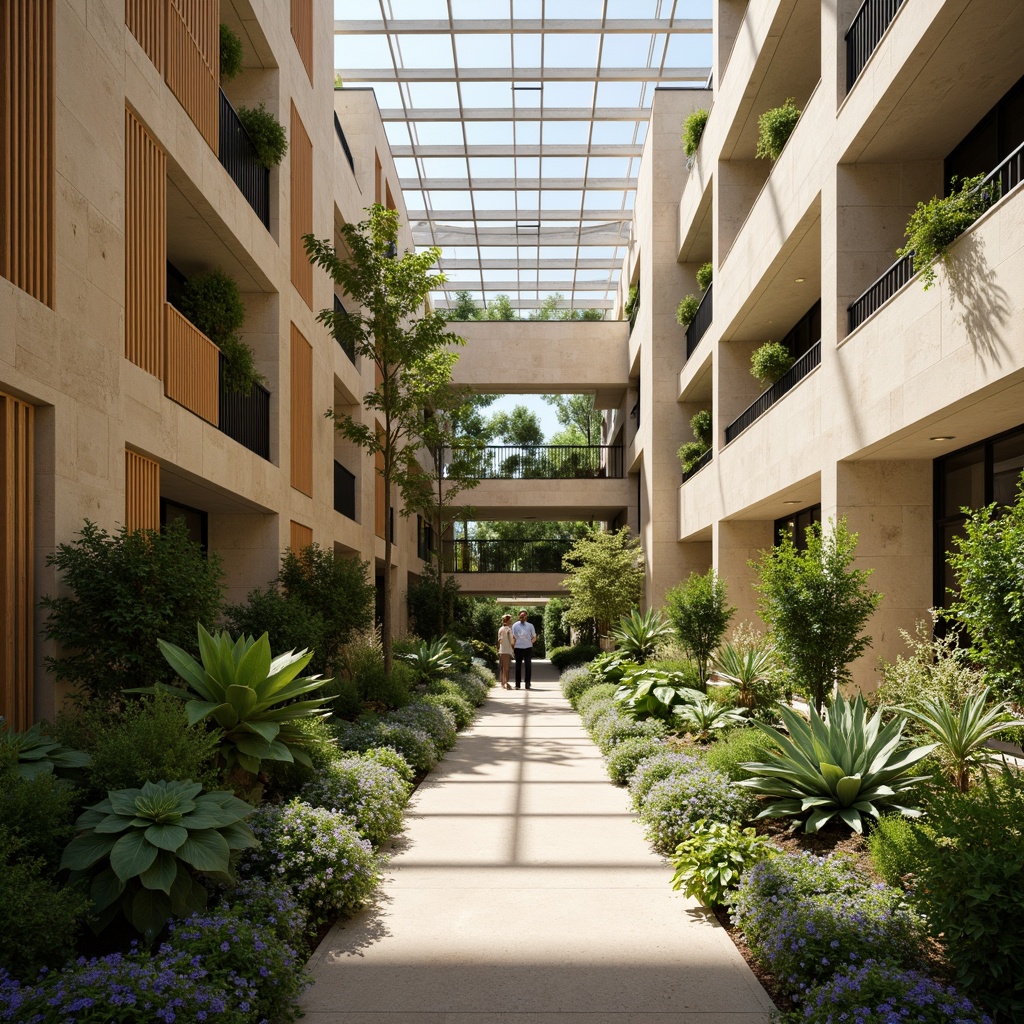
column 510, row 584
column 563, row 500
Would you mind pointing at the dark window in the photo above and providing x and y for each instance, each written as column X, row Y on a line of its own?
column 991, row 140
column 176, row 282
column 805, row 333
column 195, row 519
column 424, row 538
column 795, row 526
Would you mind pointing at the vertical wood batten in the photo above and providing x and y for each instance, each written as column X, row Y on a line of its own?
column 193, row 62
column 147, row 21
column 301, row 426
column 301, row 536
column 301, row 150
column 302, row 33
column 192, row 372
column 141, row 492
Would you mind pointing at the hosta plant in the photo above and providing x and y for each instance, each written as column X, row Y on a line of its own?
column 38, row 754
column 652, row 693
column 249, row 695
column 145, row 848
column 430, row 661
column 638, row 634
column 710, row 862
column 844, row 765
column 704, row 716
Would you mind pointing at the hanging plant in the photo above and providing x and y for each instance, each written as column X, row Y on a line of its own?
column 935, row 225
column 774, row 128
column 693, row 129
column 630, row 304
column 691, row 452
column 230, row 54
column 687, row 310
column 266, row 133
column 705, row 272
column 770, row 362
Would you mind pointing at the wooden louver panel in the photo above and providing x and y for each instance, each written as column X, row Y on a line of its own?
column 192, row 369
column 380, row 498
column 147, row 21
column 193, row 62
column 141, row 492
column 301, row 432
column 301, row 150
column 16, row 553
column 26, row 146
column 145, row 247
column 302, row 32
column 301, row 537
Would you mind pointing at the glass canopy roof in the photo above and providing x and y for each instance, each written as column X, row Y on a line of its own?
column 517, row 128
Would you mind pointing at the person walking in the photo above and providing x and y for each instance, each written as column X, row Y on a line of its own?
column 524, row 635
column 505, row 642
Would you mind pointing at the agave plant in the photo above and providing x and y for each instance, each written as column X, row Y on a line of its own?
column 249, row 695
column 702, row 716
column 962, row 737
column 652, row 693
column 430, row 661
column 747, row 668
column 637, row 636
column 39, row 754
column 845, row 765
column 144, row 848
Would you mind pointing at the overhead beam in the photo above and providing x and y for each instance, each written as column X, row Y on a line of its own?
column 546, row 149
column 528, row 304
column 599, row 234
column 517, row 114
column 450, row 264
column 546, row 74
column 418, row 218
column 512, row 184
column 503, row 26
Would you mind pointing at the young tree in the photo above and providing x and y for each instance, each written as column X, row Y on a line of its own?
column 500, row 308
column 465, row 308
column 605, row 578
column 816, row 605
column 578, row 411
column 391, row 324
column 699, row 612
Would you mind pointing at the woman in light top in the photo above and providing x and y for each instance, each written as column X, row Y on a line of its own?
column 505, row 648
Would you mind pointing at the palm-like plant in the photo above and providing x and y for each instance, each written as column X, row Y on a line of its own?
column 637, row 635
column 38, row 754
column 651, row 693
column 703, row 716
column 746, row 668
column 430, row 661
column 249, row 695
column 962, row 737
column 845, row 765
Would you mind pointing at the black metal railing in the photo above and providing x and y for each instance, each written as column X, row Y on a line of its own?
column 506, row 555
column 246, row 418
column 340, row 132
column 237, row 155
column 346, row 346
column 803, row 366
column 1009, row 174
column 703, row 461
column 539, row 462
column 344, row 491
column 868, row 27
column 700, row 323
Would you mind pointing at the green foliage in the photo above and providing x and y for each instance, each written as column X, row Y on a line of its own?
column 391, row 758
column 39, row 920
column 711, row 861
column 702, row 427
column 250, row 697
column 687, row 310
column 460, row 708
column 699, row 612
column 431, row 601
column 969, row 887
column 266, row 133
column 963, row 737
column 613, row 729
column 143, row 848
column 127, row 590
column 414, row 744
column 556, row 629
column 770, row 362
column 564, row 658
column 430, row 661
column 705, row 275
column 623, row 758
column 816, row 606
column 637, row 635
column 990, row 600
column 690, row 453
column 578, row 415
column 736, row 747
column 845, row 765
column 605, row 577
column 630, row 304
column 465, row 308
column 231, row 54
column 774, row 128
column 703, row 716
column 894, row 845
column 651, row 693
column 750, row 668
column 286, row 778
column 38, row 814
column 575, row 682
column 936, row 224
column 33, row 754
column 693, row 129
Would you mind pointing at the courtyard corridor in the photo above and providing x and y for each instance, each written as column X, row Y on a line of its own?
column 522, row 891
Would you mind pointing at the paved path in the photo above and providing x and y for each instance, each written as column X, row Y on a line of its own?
column 523, row 892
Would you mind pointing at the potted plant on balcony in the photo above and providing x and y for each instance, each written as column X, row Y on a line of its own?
column 230, row 54
column 630, row 304
column 691, row 452
column 774, row 128
column 693, row 129
column 210, row 301
column 266, row 132
column 770, row 363
column 687, row 310
column 705, row 273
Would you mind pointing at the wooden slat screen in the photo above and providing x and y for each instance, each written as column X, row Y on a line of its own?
column 147, row 21
column 301, row 433
column 192, row 368
column 301, row 149
column 145, row 247
column 380, row 500
column 193, row 62
column 141, row 492
column 26, row 146
column 302, row 32
column 16, row 557
column 301, row 537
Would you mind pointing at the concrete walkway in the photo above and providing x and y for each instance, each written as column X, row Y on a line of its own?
column 523, row 892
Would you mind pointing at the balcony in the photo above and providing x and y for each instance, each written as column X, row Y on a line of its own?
column 192, row 367
column 543, row 462
column 346, row 346
column 246, row 418
column 701, row 322
column 866, row 31
column 796, row 373
column 704, row 460
column 344, row 491
column 516, row 556
column 238, row 157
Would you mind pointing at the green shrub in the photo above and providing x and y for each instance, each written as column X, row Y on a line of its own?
column 894, row 845
column 638, row 635
column 703, row 716
column 362, row 661
column 753, row 670
column 230, row 54
column 597, row 709
column 266, row 133
column 734, row 748
column 711, row 861
column 127, row 590
column 436, row 721
column 687, row 310
column 414, row 744
column 662, row 765
column 461, row 710
column 705, row 275
column 569, row 657
column 774, row 128
column 770, row 362
column 699, row 611
column 31, row 753
column 391, row 758
column 624, row 757
column 969, row 886
column 616, row 729
column 575, row 682
column 474, row 684
column 38, row 815
column 693, row 129
column 556, row 629
column 649, row 693
column 631, row 300
column 286, row 778
column 600, row 692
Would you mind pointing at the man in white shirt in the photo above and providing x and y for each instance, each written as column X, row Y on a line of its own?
column 524, row 635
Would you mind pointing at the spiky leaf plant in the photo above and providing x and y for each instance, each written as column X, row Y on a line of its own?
column 38, row 754
column 703, row 716
column 637, row 635
column 431, row 661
